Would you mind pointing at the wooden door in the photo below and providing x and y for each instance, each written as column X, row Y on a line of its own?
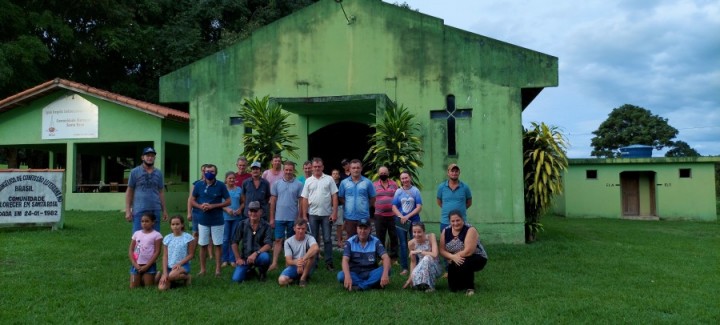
column 630, row 186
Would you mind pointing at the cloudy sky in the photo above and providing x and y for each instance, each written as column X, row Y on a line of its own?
column 660, row 55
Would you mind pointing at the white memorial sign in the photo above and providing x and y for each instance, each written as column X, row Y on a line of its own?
column 31, row 197
column 70, row 117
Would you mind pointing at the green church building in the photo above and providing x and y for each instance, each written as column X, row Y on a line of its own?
column 96, row 136
column 337, row 65
column 640, row 188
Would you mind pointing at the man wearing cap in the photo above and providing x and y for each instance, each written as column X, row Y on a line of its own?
column 357, row 194
column 145, row 191
column 210, row 197
column 345, row 163
column 320, row 202
column 256, row 188
column 453, row 194
column 360, row 269
column 284, row 207
column 251, row 245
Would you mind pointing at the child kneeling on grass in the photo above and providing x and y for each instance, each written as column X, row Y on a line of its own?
column 143, row 252
column 179, row 250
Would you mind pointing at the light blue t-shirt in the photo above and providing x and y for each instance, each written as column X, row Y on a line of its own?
column 234, row 203
column 407, row 200
column 288, row 196
column 453, row 200
column 357, row 197
column 177, row 247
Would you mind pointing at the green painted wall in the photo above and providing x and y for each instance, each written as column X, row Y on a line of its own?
column 412, row 58
column 676, row 198
column 116, row 123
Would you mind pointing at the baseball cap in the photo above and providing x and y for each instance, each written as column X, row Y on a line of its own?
column 255, row 164
column 149, row 150
column 451, row 166
column 364, row 222
column 254, row 205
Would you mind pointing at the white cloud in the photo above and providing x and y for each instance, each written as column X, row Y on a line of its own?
column 660, row 55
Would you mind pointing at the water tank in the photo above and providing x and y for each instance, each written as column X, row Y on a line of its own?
column 636, row 151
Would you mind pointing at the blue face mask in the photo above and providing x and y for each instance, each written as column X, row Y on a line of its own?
column 209, row 176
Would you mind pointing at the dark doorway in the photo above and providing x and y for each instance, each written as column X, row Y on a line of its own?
column 337, row 141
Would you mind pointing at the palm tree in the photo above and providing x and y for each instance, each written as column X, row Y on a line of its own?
column 396, row 144
column 544, row 161
column 269, row 134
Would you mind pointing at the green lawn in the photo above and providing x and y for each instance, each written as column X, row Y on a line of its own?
column 580, row 270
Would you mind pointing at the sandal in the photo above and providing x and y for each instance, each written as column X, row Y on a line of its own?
column 404, row 272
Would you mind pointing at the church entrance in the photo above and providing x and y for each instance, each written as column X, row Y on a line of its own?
column 336, row 127
column 342, row 140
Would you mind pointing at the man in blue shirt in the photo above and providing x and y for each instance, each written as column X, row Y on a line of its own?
column 357, row 194
column 284, row 208
column 210, row 197
column 453, row 194
column 359, row 262
column 145, row 191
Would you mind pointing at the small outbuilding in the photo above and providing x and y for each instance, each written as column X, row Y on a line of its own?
column 96, row 136
column 640, row 188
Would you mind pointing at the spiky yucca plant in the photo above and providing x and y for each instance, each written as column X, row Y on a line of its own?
column 396, row 144
column 544, row 161
column 270, row 130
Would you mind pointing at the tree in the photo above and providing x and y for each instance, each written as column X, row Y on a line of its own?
column 269, row 134
column 628, row 125
column 396, row 144
column 681, row 149
column 121, row 46
column 544, row 160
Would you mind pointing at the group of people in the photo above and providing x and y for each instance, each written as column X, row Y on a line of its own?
column 248, row 219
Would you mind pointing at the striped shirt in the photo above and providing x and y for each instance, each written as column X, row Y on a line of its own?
column 384, row 198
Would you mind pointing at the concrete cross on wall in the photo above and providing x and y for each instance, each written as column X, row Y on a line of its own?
column 450, row 114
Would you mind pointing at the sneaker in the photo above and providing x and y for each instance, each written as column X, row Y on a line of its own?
column 330, row 267
column 428, row 290
column 262, row 277
column 422, row 286
column 302, row 283
column 469, row 292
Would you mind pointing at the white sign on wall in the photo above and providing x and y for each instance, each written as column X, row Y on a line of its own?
column 70, row 117
column 31, row 197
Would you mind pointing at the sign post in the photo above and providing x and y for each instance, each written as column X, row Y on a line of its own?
column 31, row 197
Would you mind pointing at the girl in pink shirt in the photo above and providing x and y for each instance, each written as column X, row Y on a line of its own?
column 143, row 252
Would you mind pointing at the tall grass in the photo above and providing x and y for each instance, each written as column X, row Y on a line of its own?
column 589, row 270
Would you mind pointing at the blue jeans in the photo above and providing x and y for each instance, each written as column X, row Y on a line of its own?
column 138, row 215
column 291, row 272
column 365, row 280
column 284, row 229
column 322, row 221
column 402, row 243
column 262, row 263
column 228, row 235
